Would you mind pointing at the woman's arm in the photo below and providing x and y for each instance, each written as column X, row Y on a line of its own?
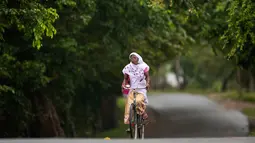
column 125, row 80
column 147, row 78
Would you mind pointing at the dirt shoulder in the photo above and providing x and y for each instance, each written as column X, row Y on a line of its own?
column 230, row 103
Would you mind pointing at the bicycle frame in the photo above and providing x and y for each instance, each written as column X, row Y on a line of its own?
column 137, row 120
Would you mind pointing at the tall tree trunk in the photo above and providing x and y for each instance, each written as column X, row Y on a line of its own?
column 179, row 73
column 94, row 124
column 251, row 81
column 184, row 84
column 226, row 79
column 108, row 112
column 164, row 83
column 69, row 126
column 47, row 121
column 177, row 70
column 73, row 132
column 238, row 78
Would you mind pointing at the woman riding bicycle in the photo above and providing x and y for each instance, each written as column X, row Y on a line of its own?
column 136, row 74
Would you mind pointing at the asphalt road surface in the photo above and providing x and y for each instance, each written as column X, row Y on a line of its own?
column 187, row 140
column 186, row 115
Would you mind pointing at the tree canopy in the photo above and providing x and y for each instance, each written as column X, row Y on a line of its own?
column 61, row 60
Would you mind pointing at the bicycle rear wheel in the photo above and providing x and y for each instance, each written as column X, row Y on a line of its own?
column 133, row 122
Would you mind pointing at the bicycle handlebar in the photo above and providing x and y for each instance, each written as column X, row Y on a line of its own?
column 133, row 88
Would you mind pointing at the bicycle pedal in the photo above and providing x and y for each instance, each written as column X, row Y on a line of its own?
column 140, row 126
column 146, row 122
column 128, row 130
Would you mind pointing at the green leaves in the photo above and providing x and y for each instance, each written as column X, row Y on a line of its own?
column 229, row 27
column 240, row 25
column 44, row 25
column 33, row 18
column 85, row 43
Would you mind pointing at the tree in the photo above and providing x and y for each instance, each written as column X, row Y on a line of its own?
column 49, row 85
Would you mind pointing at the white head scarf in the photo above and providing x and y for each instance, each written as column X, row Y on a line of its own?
column 140, row 59
column 128, row 69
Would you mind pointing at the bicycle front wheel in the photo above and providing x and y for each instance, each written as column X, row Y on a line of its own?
column 133, row 122
column 140, row 127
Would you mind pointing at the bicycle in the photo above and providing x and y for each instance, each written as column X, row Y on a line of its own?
column 136, row 125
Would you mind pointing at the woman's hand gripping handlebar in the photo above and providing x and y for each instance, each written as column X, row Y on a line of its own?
column 128, row 87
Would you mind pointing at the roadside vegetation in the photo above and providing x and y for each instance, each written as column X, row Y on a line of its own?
column 61, row 61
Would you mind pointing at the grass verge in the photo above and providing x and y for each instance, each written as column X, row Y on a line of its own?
column 248, row 97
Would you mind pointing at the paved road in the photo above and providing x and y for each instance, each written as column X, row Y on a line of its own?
column 189, row 140
column 186, row 115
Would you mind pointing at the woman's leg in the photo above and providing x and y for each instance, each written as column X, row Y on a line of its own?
column 145, row 115
column 140, row 100
column 141, row 106
column 128, row 102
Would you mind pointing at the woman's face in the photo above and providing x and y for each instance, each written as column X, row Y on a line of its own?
column 134, row 59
